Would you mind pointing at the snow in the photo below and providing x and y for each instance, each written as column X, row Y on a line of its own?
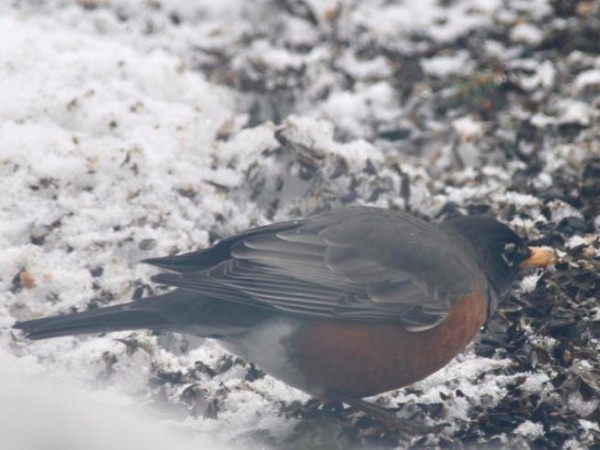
column 318, row 135
column 587, row 78
column 445, row 65
column 447, row 381
column 526, row 32
column 561, row 210
column 468, row 128
column 530, row 430
column 576, row 241
column 575, row 112
column 125, row 133
column 535, row 74
column 102, row 157
column 529, row 282
column 37, row 414
column 582, row 407
column 368, row 104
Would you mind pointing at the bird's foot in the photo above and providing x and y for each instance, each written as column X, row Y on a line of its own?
column 387, row 417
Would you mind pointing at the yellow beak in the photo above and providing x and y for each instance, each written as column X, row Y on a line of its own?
column 539, row 257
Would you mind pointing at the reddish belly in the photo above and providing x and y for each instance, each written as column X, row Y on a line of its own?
column 361, row 360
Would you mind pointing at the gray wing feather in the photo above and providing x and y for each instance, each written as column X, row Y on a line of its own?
column 322, row 268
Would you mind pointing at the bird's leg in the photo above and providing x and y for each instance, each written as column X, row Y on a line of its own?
column 369, row 409
column 386, row 416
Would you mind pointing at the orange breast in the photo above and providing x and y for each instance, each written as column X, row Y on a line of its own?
column 359, row 359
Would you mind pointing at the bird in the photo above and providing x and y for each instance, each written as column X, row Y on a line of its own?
column 345, row 304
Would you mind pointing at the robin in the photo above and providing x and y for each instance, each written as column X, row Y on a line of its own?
column 345, row 304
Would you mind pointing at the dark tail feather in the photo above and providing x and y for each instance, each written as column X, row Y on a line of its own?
column 113, row 318
column 178, row 310
column 150, row 313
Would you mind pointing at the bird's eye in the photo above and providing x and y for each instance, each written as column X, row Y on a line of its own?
column 508, row 254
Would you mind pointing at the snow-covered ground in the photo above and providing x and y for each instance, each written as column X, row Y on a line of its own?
column 131, row 129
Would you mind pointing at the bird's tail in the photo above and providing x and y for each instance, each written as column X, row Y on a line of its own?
column 145, row 313
column 179, row 310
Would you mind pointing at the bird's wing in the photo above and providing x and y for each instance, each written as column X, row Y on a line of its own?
column 363, row 264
